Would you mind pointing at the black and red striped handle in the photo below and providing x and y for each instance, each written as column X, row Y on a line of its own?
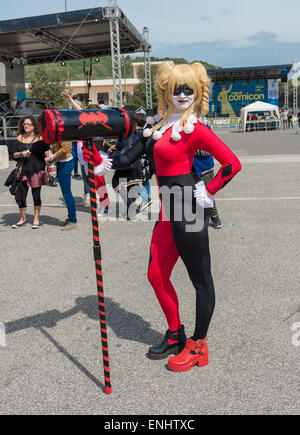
column 98, row 265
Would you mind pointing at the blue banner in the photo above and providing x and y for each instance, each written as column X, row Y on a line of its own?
column 273, row 93
column 229, row 98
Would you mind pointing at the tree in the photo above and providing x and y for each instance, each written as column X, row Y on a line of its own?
column 138, row 98
column 47, row 83
column 176, row 60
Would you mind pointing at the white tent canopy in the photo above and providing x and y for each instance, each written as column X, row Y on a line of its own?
column 258, row 107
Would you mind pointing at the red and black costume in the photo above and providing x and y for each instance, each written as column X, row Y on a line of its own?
column 99, row 180
column 173, row 164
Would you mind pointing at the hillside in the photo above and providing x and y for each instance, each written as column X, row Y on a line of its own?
column 102, row 69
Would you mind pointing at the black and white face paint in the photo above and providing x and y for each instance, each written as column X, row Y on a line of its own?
column 183, row 98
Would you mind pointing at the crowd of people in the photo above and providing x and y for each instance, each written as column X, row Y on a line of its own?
column 287, row 116
column 35, row 158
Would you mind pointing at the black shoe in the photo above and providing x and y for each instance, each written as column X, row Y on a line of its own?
column 164, row 349
column 217, row 224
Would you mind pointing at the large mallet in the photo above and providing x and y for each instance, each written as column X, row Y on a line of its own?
column 69, row 125
column 66, row 125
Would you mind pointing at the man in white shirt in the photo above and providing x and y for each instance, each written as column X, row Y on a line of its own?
column 101, row 103
column 285, row 118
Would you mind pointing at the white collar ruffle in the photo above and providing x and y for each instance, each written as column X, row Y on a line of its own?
column 175, row 123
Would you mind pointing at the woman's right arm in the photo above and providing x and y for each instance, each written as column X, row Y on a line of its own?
column 16, row 154
column 70, row 100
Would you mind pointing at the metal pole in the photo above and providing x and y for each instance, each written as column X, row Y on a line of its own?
column 113, row 14
column 286, row 95
column 68, row 63
column 124, row 60
column 295, row 99
column 296, row 75
column 147, row 60
column 4, row 128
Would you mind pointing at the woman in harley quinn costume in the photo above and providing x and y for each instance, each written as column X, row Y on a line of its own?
column 171, row 147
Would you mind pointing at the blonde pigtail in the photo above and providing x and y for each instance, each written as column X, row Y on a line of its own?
column 205, row 82
column 161, row 102
column 162, row 80
column 205, row 101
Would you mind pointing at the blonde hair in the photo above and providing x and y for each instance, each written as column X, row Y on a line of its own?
column 170, row 76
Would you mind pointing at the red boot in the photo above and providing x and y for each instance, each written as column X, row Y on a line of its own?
column 195, row 352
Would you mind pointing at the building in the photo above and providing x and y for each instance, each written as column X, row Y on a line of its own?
column 100, row 88
column 104, row 88
column 234, row 88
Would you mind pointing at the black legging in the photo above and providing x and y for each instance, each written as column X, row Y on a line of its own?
column 23, row 192
column 128, row 195
column 174, row 236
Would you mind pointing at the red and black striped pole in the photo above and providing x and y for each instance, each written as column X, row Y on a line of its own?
column 98, row 265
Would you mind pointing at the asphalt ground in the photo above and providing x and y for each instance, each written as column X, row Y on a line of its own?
column 50, row 357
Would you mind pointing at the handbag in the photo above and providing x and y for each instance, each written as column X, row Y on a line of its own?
column 16, row 174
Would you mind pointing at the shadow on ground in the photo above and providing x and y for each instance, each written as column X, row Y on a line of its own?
column 12, row 218
column 126, row 326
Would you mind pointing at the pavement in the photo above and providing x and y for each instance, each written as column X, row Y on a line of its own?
column 50, row 356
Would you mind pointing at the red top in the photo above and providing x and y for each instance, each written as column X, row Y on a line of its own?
column 176, row 158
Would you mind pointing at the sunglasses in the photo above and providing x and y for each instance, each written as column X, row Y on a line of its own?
column 183, row 89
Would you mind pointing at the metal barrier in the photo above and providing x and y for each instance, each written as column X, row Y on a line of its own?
column 9, row 131
column 4, row 158
column 261, row 125
column 3, row 131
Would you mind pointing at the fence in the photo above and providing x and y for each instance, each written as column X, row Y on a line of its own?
column 225, row 122
column 9, row 127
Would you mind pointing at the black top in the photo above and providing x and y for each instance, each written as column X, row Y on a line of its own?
column 36, row 162
column 144, row 146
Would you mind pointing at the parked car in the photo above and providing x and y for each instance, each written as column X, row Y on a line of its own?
column 13, row 110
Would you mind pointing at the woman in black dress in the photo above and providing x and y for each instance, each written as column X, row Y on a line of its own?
column 29, row 151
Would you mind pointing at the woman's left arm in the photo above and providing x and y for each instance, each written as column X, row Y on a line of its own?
column 207, row 141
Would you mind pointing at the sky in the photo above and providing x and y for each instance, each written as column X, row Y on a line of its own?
column 227, row 33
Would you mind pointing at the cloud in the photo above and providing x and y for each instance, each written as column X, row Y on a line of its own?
column 203, row 19
column 262, row 37
column 226, row 12
column 260, row 50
